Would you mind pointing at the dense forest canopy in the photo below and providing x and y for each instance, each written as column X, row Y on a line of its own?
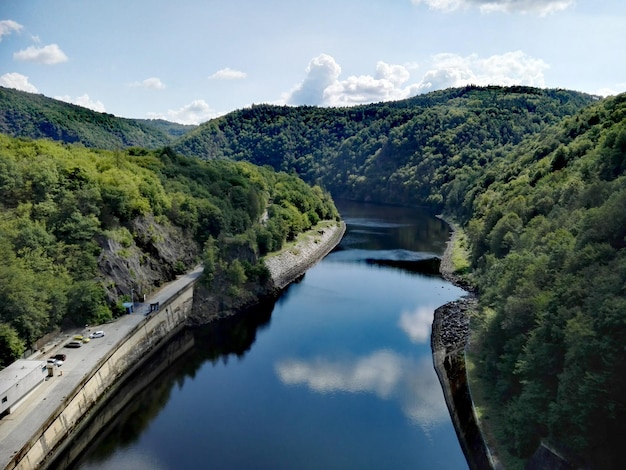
column 547, row 225
column 60, row 202
column 536, row 178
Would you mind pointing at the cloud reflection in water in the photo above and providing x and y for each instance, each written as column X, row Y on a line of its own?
column 418, row 324
column 388, row 375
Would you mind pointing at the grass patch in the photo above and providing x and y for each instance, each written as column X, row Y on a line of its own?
column 313, row 232
column 121, row 235
column 460, row 253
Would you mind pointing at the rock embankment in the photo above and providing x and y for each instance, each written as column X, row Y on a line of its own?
column 291, row 263
column 450, row 335
column 452, row 325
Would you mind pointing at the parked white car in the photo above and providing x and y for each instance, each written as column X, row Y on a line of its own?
column 97, row 334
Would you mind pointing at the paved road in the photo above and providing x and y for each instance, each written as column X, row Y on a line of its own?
column 21, row 425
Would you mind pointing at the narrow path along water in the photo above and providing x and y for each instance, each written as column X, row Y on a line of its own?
column 336, row 374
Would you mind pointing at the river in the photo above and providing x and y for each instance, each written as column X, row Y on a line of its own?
column 337, row 374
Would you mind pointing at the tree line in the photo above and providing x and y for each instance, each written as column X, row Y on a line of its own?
column 36, row 116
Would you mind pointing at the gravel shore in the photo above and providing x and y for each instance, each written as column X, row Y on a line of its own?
column 451, row 322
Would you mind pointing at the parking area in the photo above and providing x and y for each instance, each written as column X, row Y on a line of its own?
column 17, row 428
column 25, row 421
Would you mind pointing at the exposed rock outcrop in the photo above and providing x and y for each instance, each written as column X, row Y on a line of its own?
column 156, row 255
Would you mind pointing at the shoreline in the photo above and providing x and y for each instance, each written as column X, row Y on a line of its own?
column 309, row 248
column 450, row 337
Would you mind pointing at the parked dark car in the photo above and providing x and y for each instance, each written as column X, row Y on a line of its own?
column 60, row 357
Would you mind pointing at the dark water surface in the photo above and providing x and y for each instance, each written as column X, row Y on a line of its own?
column 337, row 374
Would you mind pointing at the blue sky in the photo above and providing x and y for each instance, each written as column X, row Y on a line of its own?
column 192, row 60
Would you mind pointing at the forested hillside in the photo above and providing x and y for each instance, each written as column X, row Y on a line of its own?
column 547, row 225
column 36, row 116
column 80, row 228
column 407, row 152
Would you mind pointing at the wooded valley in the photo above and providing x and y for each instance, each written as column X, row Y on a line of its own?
column 536, row 178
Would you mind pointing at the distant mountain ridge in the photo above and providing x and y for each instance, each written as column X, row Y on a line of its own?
column 36, row 116
column 404, row 152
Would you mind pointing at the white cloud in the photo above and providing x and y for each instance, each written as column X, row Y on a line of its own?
column 323, row 86
column 443, row 5
column 17, row 81
column 541, row 7
column 511, row 68
column 385, row 374
column 228, row 74
column 194, row 113
column 395, row 74
column 49, row 55
column 152, row 83
column 385, row 85
column 321, row 73
column 616, row 90
column 9, row 26
column 85, row 101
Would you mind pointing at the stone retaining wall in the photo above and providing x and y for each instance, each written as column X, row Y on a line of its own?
column 113, row 403
column 73, row 413
column 310, row 248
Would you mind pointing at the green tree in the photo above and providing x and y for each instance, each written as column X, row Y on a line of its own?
column 11, row 346
column 86, row 304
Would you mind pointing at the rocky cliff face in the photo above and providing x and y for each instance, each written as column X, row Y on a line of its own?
column 156, row 255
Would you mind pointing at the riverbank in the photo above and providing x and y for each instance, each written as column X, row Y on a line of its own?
column 306, row 251
column 450, row 337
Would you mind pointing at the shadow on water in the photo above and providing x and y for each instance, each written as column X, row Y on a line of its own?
column 427, row 266
column 127, row 412
column 373, row 227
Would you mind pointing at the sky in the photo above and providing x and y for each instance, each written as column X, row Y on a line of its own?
column 192, row 60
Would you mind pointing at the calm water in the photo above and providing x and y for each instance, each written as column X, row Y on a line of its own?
column 337, row 374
